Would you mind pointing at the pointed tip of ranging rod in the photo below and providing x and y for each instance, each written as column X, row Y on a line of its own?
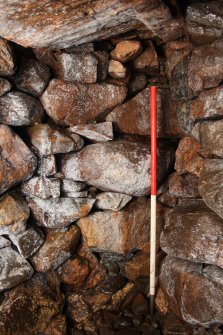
column 152, row 304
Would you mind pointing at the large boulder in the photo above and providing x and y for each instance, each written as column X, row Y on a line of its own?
column 119, row 166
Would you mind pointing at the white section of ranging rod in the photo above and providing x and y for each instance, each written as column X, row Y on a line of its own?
column 152, row 286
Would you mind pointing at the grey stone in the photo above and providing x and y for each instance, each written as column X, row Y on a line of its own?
column 111, row 200
column 98, row 132
column 42, row 187
column 5, row 86
column 47, row 165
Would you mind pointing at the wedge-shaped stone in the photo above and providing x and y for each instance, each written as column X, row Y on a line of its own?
column 201, row 229
column 60, row 212
column 118, row 166
column 14, row 269
column 211, row 185
column 120, row 232
column 71, row 104
column 59, row 245
column 42, row 187
column 98, row 132
column 111, row 200
column 5, row 86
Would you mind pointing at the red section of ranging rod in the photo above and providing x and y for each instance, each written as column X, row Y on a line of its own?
column 153, row 132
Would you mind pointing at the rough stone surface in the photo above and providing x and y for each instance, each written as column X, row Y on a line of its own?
column 71, row 104
column 57, row 326
column 32, row 76
column 76, row 67
column 27, row 242
column 14, row 269
column 60, row 212
column 183, row 186
column 42, row 187
column 78, row 310
column 136, row 267
column 211, row 185
column 103, row 60
column 148, row 61
column 5, row 86
column 4, row 242
column 20, row 109
column 126, row 50
column 100, row 165
column 48, row 140
column 111, row 200
column 201, row 229
column 41, row 296
column 208, row 105
column 211, row 136
column 116, row 69
column 58, row 246
column 69, row 186
column 47, row 166
column 7, row 66
column 188, row 158
column 204, row 21
column 137, row 82
column 119, row 232
column 98, row 132
column 181, row 281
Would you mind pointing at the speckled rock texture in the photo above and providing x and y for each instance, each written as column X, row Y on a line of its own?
column 42, row 187
column 5, row 86
column 7, row 65
column 98, row 132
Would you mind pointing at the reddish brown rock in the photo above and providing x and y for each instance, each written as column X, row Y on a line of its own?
column 148, row 61
column 103, row 59
column 78, row 310
column 101, row 230
column 27, row 242
column 69, row 186
column 137, row 82
column 59, row 212
column 20, row 109
column 14, row 269
column 42, row 187
column 173, row 324
column 32, row 76
column 5, row 86
column 41, row 294
column 74, row 271
column 204, row 21
column 111, row 200
column 136, row 267
column 7, row 66
column 97, row 301
column 47, row 140
column 47, row 166
column 72, row 104
column 183, row 186
column 126, row 50
column 100, row 165
column 57, row 326
column 181, row 281
column 188, row 158
column 161, row 302
column 211, row 185
column 211, row 137
column 116, row 69
column 200, row 228
column 76, row 67
column 98, row 132
column 58, row 246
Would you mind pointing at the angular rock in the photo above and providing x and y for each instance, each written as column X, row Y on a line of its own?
column 208, row 105
column 74, row 271
column 78, row 310
column 14, row 269
column 48, row 140
column 17, row 161
column 201, row 229
column 161, row 302
column 41, row 294
column 183, row 186
column 119, row 232
column 71, row 104
column 98, row 132
column 188, row 158
column 7, row 66
column 111, row 200
column 181, row 281
column 126, row 50
column 204, row 21
column 59, row 245
column 147, row 62
column 82, row 194
column 100, row 165
column 32, row 76
column 20, row 109
column 60, row 212
column 27, row 242
column 103, row 59
column 173, row 324
column 4, row 242
column 47, row 166
column 5, row 86
column 116, row 69
column 136, row 267
column 69, row 186
column 76, row 67
column 57, row 326
column 97, row 301
column 211, row 185
column 42, row 187
column 137, row 82
column 211, row 136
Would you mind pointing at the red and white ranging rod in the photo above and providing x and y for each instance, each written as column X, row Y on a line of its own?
column 153, row 134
